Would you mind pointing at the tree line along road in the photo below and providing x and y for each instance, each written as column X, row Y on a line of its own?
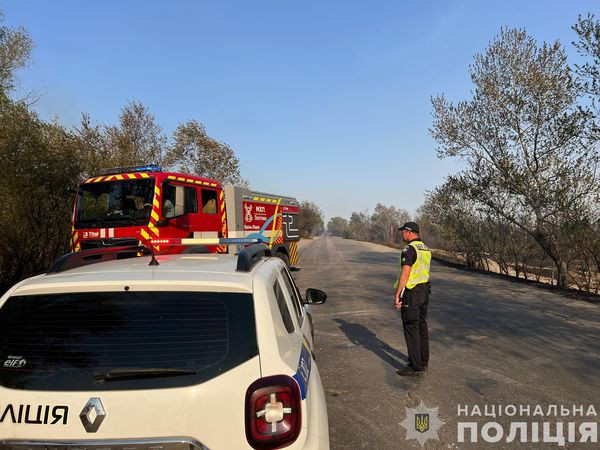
column 493, row 342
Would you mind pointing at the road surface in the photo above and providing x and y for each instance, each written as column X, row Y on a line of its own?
column 493, row 342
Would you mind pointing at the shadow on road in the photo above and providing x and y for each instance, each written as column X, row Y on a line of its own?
column 360, row 335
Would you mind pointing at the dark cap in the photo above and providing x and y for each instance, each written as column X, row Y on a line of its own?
column 410, row 226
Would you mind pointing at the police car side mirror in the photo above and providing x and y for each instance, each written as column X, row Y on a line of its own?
column 315, row 296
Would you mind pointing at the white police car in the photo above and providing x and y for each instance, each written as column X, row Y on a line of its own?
column 186, row 351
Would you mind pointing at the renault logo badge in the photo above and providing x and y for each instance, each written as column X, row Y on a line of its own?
column 92, row 415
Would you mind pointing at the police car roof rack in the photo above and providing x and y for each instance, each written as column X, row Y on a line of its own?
column 249, row 256
column 96, row 255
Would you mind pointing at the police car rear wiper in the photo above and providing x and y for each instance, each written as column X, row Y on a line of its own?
column 119, row 374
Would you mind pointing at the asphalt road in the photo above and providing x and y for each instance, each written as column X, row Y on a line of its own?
column 493, row 342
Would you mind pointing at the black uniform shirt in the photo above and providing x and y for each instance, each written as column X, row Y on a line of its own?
column 409, row 255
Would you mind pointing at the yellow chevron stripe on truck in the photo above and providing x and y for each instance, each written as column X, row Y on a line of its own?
column 274, row 223
column 126, row 176
column 223, row 248
column 294, row 252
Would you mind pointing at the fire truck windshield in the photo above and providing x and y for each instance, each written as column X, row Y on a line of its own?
column 111, row 204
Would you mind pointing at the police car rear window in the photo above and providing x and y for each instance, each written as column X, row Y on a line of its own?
column 123, row 340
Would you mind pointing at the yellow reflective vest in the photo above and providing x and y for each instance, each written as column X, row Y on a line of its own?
column 419, row 271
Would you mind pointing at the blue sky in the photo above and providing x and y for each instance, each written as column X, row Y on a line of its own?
column 328, row 101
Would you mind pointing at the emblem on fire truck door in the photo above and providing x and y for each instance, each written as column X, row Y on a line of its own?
column 248, row 209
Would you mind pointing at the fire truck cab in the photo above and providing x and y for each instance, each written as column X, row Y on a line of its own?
column 126, row 205
column 131, row 205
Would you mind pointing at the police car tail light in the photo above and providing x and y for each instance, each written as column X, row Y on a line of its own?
column 273, row 412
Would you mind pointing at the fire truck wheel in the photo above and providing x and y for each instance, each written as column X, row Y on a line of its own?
column 283, row 257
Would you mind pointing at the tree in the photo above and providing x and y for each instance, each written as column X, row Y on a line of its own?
column 337, row 226
column 359, row 226
column 588, row 46
column 15, row 52
column 385, row 222
column 452, row 224
column 194, row 151
column 94, row 152
column 39, row 165
column 525, row 142
column 137, row 140
column 310, row 219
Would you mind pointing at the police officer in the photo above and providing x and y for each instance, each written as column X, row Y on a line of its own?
column 412, row 298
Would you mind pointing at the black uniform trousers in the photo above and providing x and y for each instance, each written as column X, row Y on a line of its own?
column 414, row 322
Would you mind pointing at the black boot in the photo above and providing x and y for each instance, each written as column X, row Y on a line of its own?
column 409, row 372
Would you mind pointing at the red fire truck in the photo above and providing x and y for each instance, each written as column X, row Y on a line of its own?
column 131, row 205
